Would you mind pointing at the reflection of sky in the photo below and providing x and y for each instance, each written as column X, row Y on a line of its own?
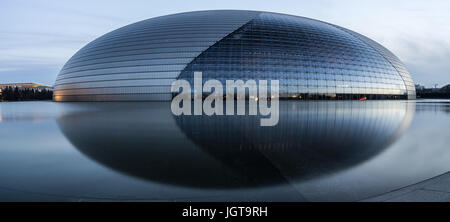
column 419, row 154
column 229, row 152
column 33, row 148
column 39, row 36
column 12, row 113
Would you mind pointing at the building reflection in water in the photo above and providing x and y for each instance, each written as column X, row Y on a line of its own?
column 312, row 139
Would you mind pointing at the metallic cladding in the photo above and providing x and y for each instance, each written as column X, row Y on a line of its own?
column 140, row 61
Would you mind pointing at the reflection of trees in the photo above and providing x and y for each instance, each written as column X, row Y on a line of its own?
column 433, row 106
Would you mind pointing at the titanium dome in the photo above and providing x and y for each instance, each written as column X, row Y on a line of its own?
column 310, row 58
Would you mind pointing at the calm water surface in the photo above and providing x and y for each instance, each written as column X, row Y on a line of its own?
column 319, row 151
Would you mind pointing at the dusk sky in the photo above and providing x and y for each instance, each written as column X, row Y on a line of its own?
column 38, row 36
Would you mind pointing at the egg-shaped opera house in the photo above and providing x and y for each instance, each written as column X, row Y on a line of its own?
column 311, row 59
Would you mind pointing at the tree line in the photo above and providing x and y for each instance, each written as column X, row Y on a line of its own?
column 24, row 94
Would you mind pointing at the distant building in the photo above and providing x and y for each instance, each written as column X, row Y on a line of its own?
column 419, row 87
column 32, row 85
column 445, row 89
column 435, row 92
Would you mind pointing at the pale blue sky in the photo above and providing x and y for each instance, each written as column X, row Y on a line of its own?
column 38, row 36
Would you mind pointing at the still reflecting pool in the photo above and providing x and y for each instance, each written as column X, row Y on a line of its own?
column 319, row 151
